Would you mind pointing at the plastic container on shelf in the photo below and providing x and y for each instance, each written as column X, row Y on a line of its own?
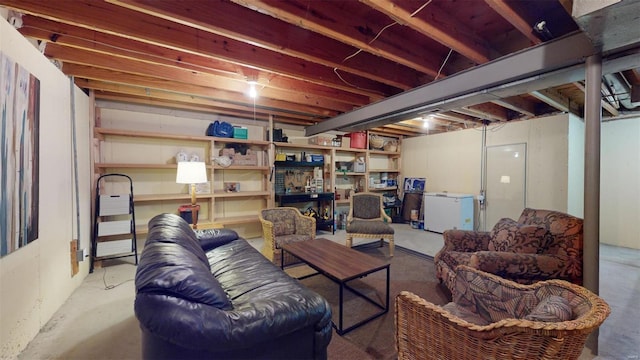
column 358, row 140
column 240, row 132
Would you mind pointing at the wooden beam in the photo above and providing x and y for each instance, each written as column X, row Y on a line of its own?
column 184, row 76
column 98, row 16
column 506, row 10
column 449, row 32
column 606, row 103
column 558, row 101
column 77, row 37
column 519, row 104
column 165, row 96
column 113, row 81
column 460, row 118
column 193, row 107
column 489, row 111
column 245, row 25
column 336, row 24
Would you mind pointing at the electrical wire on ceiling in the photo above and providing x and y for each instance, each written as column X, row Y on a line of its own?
column 443, row 63
column 335, row 70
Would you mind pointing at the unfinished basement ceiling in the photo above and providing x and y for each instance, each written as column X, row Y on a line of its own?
column 315, row 60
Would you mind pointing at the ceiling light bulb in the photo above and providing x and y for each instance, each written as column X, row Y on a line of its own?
column 253, row 93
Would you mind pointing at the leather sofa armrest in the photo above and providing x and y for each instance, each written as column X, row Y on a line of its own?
column 220, row 330
column 521, row 266
column 465, row 240
column 212, row 238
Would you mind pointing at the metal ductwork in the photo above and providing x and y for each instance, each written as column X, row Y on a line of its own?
column 620, row 90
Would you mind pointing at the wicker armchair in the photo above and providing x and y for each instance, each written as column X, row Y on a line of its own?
column 540, row 245
column 504, row 330
column 284, row 225
column 368, row 220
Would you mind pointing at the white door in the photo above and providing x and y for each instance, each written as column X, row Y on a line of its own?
column 505, row 177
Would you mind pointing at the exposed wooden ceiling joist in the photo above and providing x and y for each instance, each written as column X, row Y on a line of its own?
column 317, row 61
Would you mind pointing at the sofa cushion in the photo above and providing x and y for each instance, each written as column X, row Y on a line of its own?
column 171, row 270
column 551, row 309
column 171, row 228
column 212, row 238
column 510, row 236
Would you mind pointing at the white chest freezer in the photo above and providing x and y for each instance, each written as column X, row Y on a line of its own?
column 444, row 211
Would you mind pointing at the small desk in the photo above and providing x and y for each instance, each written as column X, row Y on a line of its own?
column 341, row 265
column 284, row 199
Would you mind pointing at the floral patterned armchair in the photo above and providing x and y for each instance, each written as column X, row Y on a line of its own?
column 368, row 220
column 541, row 245
column 495, row 318
column 284, row 225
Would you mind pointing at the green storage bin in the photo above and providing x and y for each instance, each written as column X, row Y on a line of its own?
column 240, row 132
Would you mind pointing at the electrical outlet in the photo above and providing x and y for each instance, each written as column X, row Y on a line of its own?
column 82, row 254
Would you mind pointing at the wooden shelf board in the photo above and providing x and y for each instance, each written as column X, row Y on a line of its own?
column 157, row 135
column 351, row 150
column 340, row 173
column 240, row 141
column 137, row 166
column 165, row 197
column 223, row 194
column 242, row 167
column 304, row 146
column 384, row 170
column 384, row 188
column 236, row 220
column 382, row 152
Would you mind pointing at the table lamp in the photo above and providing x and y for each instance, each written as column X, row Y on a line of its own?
column 192, row 172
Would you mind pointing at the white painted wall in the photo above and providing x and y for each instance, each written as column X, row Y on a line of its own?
column 555, row 167
column 620, row 183
column 575, row 196
column 452, row 161
column 36, row 280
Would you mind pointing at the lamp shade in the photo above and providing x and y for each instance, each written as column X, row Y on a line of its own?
column 191, row 172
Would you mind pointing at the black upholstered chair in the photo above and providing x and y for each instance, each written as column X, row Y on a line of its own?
column 368, row 220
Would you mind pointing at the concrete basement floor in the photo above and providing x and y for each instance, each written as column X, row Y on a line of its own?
column 97, row 321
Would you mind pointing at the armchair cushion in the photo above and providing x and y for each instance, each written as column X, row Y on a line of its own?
column 289, row 239
column 369, row 227
column 285, row 226
column 551, row 309
column 541, row 245
column 510, row 236
column 465, row 314
column 368, row 207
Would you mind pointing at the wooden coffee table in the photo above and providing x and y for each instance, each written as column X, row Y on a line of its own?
column 340, row 264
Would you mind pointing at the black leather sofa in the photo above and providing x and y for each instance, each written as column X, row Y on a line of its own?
column 209, row 294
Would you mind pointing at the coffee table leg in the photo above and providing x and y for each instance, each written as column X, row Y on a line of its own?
column 386, row 308
column 339, row 329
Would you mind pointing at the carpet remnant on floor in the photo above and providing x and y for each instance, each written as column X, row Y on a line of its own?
column 409, row 272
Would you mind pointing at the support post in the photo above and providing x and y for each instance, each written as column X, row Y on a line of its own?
column 592, row 121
